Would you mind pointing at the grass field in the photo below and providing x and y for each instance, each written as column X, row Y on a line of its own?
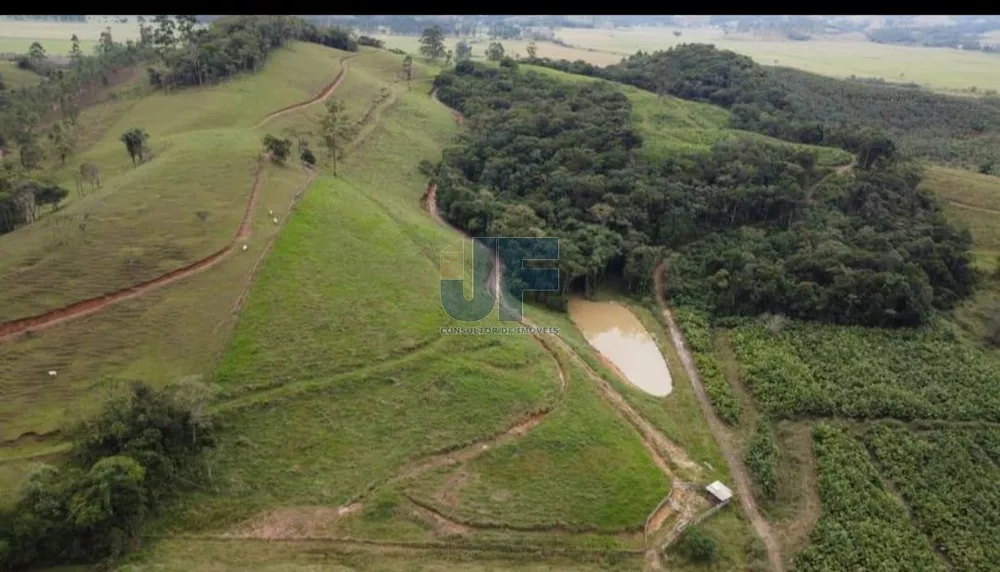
column 937, row 68
column 15, row 77
column 334, row 386
column 144, row 221
column 146, row 214
column 671, row 126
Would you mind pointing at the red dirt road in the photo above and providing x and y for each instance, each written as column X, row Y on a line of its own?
column 14, row 328
column 319, row 97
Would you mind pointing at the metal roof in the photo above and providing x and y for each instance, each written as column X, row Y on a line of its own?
column 720, row 491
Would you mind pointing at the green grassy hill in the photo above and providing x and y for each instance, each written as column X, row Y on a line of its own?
column 672, row 126
column 333, row 379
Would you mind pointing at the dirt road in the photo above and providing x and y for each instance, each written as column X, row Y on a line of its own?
column 13, row 328
column 736, row 467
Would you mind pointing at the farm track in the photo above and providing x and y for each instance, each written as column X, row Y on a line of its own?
column 972, row 207
column 13, row 328
column 836, row 171
column 322, row 96
column 736, row 467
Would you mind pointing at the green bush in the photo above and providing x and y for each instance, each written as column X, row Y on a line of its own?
column 698, row 546
column 123, row 464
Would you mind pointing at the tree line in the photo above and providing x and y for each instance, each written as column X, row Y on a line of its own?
column 803, row 107
column 758, row 227
column 229, row 45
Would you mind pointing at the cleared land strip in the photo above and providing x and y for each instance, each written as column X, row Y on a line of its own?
column 973, row 207
column 11, row 329
column 736, row 468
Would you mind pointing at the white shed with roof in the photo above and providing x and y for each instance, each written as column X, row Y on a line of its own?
column 720, row 491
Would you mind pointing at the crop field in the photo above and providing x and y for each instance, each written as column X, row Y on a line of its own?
column 863, row 524
column 946, row 475
column 818, row 370
column 17, row 36
column 942, row 69
column 15, row 77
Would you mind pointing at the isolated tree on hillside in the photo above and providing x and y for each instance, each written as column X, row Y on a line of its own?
column 62, row 137
column 75, row 53
column 91, row 173
column 186, row 26
column 36, row 53
column 307, row 157
column 463, row 51
column 278, row 148
column 135, row 143
column 408, row 70
column 145, row 33
column 532, row 50
column 106, row 44
column 335, row 130
column 448, row 56
column 495, row 52
column 432, row 43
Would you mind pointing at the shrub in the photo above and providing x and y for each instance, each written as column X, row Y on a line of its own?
column 122, row 464
column 698, row 546
column 307, row 157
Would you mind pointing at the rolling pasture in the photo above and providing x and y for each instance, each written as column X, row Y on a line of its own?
column 354, row 434
column 349, row 365
column 144, row 221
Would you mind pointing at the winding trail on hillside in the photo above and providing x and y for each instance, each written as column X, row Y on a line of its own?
column 736, row 467
column 320, row 97
column 14, row 328
column 836, row 171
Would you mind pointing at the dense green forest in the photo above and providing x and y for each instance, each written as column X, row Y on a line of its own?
column 804, row 107
column 759, row 226
column 230, row 45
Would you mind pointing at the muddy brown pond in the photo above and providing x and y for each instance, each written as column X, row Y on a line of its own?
column 621, row 338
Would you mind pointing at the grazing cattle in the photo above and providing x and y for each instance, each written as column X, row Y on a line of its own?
column 52, row 373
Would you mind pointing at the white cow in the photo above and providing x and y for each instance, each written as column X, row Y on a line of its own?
column 53, row 373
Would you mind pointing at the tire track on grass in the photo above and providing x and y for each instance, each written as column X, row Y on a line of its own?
column 736, row 467
column 11, row 329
